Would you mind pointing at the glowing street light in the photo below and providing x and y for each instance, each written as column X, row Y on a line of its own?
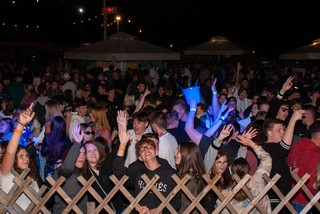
column 81, row 24
column 118, row 18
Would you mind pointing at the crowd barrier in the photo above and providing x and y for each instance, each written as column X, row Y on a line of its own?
column 39, row 199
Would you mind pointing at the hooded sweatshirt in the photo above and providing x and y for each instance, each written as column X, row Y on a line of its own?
column 307, row 155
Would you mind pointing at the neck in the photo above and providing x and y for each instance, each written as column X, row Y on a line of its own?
column 162, row 132
column 152, row 164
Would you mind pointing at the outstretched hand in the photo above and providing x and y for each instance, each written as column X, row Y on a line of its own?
column 122, row 118
column 124, row 137
column 77, row 134
column 251, row 133
column 225, row 132
column 288, row 84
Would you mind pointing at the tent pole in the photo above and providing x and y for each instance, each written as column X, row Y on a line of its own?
column 105, row 21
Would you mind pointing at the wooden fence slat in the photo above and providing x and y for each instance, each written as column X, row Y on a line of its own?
column 313, row 201
column 306, row 190
column 285, row 201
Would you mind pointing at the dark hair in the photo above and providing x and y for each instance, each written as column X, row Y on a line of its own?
column 192, row 164
column 269, row 123
column 52, row 146
column 225, row 180
column 142, row 142
column 159, row 118
column 241, row 167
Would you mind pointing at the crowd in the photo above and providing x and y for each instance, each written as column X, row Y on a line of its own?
column 66, row 121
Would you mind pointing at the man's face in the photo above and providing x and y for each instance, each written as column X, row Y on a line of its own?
column 232, row 104
column 276, row 133
column 82, row 110
column 139, row 127
column 307, row 118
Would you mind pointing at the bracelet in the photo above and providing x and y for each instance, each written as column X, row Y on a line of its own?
column 17, row 131
column 222, row 118
column 193, row 109
column 214, row 92
column 281, row 92
column 122, row 149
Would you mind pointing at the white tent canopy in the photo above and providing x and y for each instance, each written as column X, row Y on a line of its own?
column 311, row 51
column 122, row 47
column 218, row 45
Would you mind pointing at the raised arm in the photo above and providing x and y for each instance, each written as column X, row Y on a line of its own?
column 141, row 101
column 68, row 163
column 215, row 101
column 287, row 137
column 9, row 156
column 194, row 135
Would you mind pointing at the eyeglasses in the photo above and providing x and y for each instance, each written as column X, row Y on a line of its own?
column 87, row 133
column 284, row 109
column 145, row 148
column 222, row 163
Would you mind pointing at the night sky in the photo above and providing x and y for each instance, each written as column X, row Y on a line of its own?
column 269, row 28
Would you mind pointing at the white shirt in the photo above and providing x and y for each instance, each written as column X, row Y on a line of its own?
column 167, row 148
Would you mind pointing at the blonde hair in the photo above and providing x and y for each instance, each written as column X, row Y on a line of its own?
column 316, row 184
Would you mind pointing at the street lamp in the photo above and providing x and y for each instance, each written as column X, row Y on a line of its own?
column 118, row 18
column 81, row 24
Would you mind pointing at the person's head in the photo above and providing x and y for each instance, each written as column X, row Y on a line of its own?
column 141, row 86
column 283, row 111
column 102, row 89
column 264, row 107
column 3, row 148
column 232, row 102
column 180, row 106
column 61, row 101
column 172, row 119
column 241, row 167
column 140, row 122
column 296, row 104
column 81, row 107
column 146, row 150
column 243, row 93
column 95, row 154
column 160, row 91
column 158, row 121
column 220, row 165
column 222, row 98
column 99, row 117
column 271, row 91
column 81, row 158
column 309, row 116
column 88, row 131
column 188, row 159
column 152, row 136
column 52, row 109
column 8, row 107
column 111, row 92
column 255, row 109
column 273, row 129
column 22, row 159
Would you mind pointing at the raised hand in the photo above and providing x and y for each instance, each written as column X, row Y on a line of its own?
column 251, row 133
column 77, row 134
column 213, row 86
column 288, row 84
column 225, row 132
column 122, row 118
column 245, row 141
column 193, row 103
column 124, row 137
column 26, row 116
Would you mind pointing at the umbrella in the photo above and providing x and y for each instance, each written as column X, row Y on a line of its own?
column 311, row 51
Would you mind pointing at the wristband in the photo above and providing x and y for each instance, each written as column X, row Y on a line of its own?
column 122, row 149
column 281, row 92
column 193, row 109
column 222, row 118
column 17, row 131
column 214, row 92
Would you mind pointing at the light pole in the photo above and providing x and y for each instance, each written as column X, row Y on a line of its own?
column 81, row 24
column 118, row 18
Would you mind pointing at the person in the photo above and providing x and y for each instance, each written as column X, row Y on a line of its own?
column 189, row 161
column 146, row 151
column 101, row 124
column 278, row 145
column 256, row 184
column 71, row 168
column 54, row 145
column 167, row 142
column 77, row 117
column 305, row 153
column 16, row 157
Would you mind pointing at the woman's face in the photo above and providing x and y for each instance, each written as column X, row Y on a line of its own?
column 81, row 158
column 177, row 156
column 221, row 164
column 92, row 154
column 88, row 134
column 23, row 159
column 283, row 112
column 255, row 109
